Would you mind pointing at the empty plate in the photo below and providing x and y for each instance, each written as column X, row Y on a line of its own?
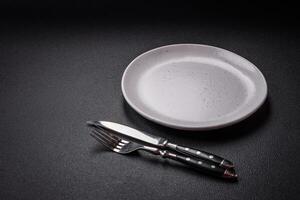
column 193, row 87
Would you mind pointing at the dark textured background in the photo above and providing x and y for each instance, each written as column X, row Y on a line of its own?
column 61, row 65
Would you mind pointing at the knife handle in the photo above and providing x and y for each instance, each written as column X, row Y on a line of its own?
column 222, row 162
column 200, row 165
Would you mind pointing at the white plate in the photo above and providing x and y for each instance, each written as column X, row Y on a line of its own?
column 193, row 87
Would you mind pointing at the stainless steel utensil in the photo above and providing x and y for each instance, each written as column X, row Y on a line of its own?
column 122, row 146
column 160, row 142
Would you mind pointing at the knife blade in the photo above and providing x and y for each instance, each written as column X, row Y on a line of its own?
column 159, row 142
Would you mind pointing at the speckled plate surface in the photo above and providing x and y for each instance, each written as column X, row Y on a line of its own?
column 193, row 87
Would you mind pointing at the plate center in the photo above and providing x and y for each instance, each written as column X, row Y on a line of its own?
column 192, row 90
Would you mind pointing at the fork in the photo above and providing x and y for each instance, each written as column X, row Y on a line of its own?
column 121, row 146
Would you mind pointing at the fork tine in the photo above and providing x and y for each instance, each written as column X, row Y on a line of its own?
column 95, row 125
column 111, row 135
column 102, row 141
column 106, row 136
column 106, row 141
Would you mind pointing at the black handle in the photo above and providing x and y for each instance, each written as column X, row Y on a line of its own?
column 201, row 165
column 201, row 154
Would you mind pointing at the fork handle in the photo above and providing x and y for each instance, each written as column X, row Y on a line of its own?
column 203, row 166
column 222, row 162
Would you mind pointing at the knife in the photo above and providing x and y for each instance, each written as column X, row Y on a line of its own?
column 160, row 142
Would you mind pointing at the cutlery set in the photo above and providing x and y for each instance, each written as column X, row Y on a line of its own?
column 111, row 135
column 190, row 87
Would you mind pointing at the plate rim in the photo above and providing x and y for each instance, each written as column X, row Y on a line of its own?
column 189, row 127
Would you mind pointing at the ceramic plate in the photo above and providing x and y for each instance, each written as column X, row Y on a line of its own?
column 193, row 87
